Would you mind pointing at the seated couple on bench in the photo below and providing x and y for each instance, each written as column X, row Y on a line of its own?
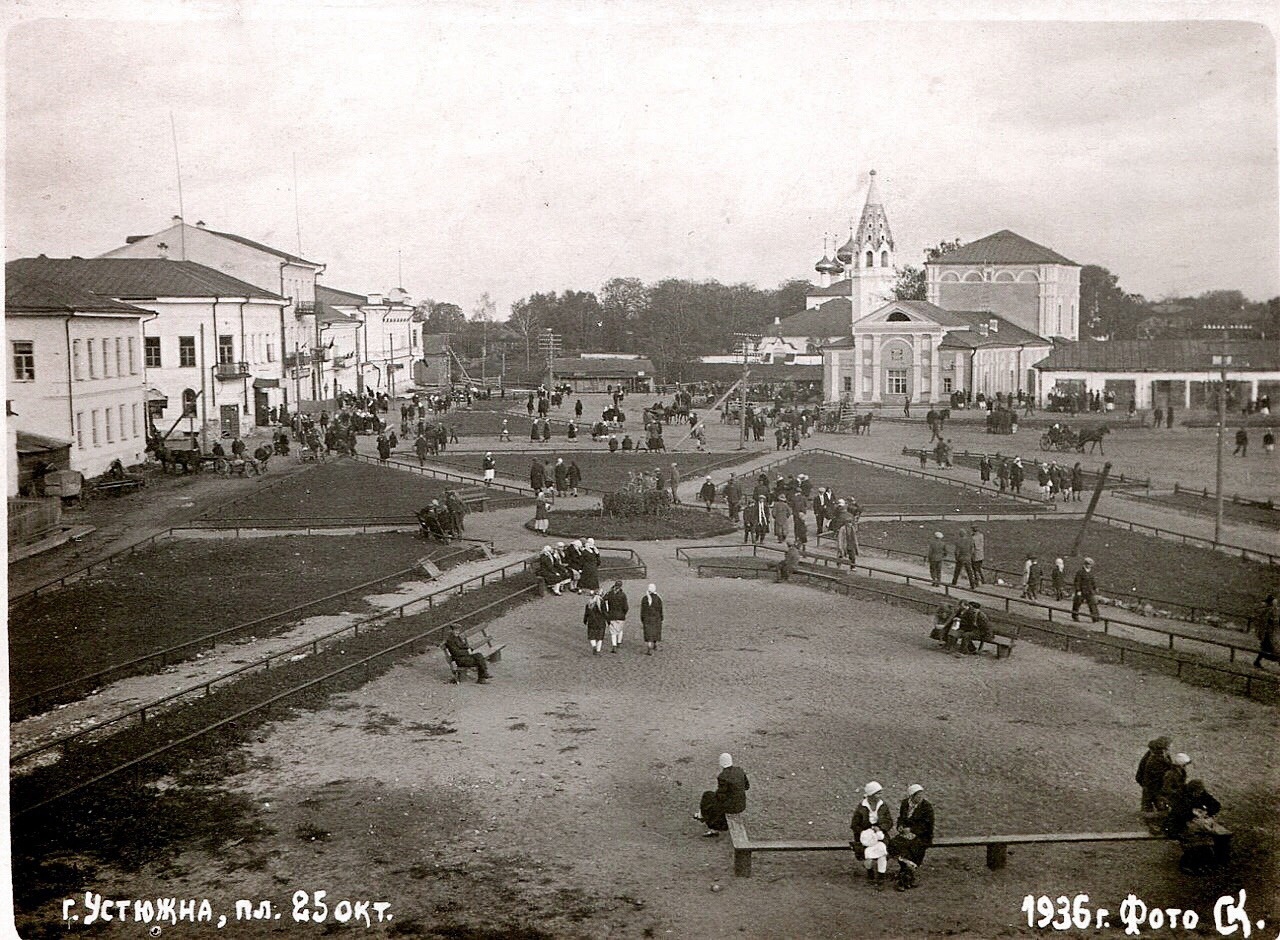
column 876, row 840
column 962, row 629
column 462, row 656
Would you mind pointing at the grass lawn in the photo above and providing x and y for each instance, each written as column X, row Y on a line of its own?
column 340, row 489
column 1128, row 563
column 886, row 491
column 1249, row 513
column 180, row 590
column 601, row 472
column 680, row 524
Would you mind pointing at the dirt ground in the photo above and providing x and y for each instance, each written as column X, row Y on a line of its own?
column 555, row 802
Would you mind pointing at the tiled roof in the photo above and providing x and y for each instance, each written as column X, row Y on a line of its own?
column 25, row 295
column 137, row 278
column 1162, row 355
column 1004, row 247
column 261, row 247
column 841, row 288
column 830, row 319
column 602, row 367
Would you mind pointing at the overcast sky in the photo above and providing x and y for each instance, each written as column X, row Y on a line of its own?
column 546, row 146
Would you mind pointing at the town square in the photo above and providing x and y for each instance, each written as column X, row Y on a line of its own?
column 648, row 471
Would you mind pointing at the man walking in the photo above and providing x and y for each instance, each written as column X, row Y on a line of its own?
column 733, row 498
column 964, row 560
column 935, row 554
column 781, row 517
column 615, row 609
column 1086, row 587
column 979, row 552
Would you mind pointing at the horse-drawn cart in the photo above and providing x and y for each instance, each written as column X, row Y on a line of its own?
column 1060, row 437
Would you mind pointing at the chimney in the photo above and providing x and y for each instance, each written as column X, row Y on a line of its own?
column 200, row 224
column 375, row 299
column 163, row 249
column 993, row 325
column 777, row 321
column 983, row 327
column 177, row 219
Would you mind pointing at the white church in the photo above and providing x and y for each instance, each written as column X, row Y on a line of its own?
column 995, row 308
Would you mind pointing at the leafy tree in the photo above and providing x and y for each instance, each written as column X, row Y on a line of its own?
column 624, row 303
column 910, row 284
column 527, row 315
column 445, row 318
column 1106, row 311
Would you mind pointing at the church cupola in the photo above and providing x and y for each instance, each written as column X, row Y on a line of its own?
column 845, row 254
column 827, row 267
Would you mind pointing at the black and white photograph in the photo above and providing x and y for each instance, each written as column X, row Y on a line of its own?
column 562, row 470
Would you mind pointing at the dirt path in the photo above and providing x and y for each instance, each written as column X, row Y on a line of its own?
column 557, row 798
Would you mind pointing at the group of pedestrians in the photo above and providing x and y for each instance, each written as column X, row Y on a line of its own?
column 1181, row 808
column 606, row 613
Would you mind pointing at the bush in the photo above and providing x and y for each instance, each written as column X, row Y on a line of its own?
column 637, row 498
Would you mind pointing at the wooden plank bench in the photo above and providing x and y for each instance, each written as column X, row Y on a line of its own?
column 1003, row 640
column 997, row 846
column 487, row 647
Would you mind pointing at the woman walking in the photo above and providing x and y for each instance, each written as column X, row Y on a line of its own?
column 589, row 579
column 651, row 618
column 596, row 622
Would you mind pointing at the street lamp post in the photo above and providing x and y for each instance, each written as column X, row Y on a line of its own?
column 745, row 342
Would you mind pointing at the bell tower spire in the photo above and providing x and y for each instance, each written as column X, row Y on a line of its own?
column 871, row 250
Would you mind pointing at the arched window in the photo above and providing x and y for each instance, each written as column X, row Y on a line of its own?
column 897, row 317
column 973, row 277
column 884, row 259
column 871, row 259
column 1028, row 277
column 189, row 403
column 1004, row 275
column 949, row 277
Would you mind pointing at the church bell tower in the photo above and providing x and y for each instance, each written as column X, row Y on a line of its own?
column 868, row 256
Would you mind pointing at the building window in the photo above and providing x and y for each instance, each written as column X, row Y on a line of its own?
column 848, row 383
column 80, row 430
column 77, row 361
column 271, row 351
column 896, row 381
column 133, row 356
column 226, row 350
column 110, row 425
column 94, row 421
column 93, row 363
column 119, row 357
column 884, row 259
column 187, row 351
column 124, row 434
column 24, row 360
column 135, row 419
column 189, row 403
column 151, row 351
column 946, row 385
column 106, row 359
column 871, row 259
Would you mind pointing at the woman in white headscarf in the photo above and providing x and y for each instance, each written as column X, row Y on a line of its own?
column 729, row 796
column 589, row 578
column 651, row 618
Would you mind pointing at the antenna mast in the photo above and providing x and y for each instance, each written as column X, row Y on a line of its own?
column 297, row 214
column 182, row 229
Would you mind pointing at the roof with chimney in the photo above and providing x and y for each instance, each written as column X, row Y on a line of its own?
column 1169, row 355
column 1004, row 247
column 137, row 278
column 986, row 330
column 28, row 294
column 832, row 318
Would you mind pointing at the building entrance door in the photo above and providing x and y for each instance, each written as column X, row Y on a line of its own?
column 230, row 419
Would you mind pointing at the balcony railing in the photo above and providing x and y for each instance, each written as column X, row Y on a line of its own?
column 304, row 308
column 303, row 359
column 231, row 370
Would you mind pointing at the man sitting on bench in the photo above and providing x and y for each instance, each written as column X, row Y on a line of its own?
column 431, row 518
column 456, row 646
column 975, row 629
column 946, row 621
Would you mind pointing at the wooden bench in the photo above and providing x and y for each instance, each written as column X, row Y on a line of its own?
column 997, row 846
column 116, row 487
column 487, row 647
column 1003, row 642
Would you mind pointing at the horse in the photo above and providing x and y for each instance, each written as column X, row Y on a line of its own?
column 1093, row 437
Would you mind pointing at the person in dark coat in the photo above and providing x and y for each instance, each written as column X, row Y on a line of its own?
column 571, row 555
column 456, row 646
column 597, row 621
column 871, row 819
column 537, row 475
column 964, row 560
column 554, row 575
column 575, row 477
column 616, row 608
column 975, row 629
column 384, row 449
column 1192, row 822
column 1267, row 627
column 1154, row 765
column 1086, row 591
column 1175, row 778
column 790, row 562
column 729, row 797
column 914, row 835
column 589, row 580
column 708, row 493
column 651, row 618
column 733, row 498
column 935, row 554
column 562, row 477
column 755, row 521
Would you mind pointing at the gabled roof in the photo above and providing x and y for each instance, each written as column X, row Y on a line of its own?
column 26, row 295
column 1004, row 247
column 1162, row 355
column 924, row 310
column 844, row 342
column 249, row 242
column 137, row 278
column 841, row 288
column 832, row 318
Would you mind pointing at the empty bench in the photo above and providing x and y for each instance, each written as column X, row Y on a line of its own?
column 997, row 846
column 486, row 647
column 116, row 487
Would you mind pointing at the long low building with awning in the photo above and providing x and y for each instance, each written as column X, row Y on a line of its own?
column 595, row 372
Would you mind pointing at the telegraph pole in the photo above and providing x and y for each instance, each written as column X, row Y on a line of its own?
column 745, row 342
column 1221, row 361
column 549, row 343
